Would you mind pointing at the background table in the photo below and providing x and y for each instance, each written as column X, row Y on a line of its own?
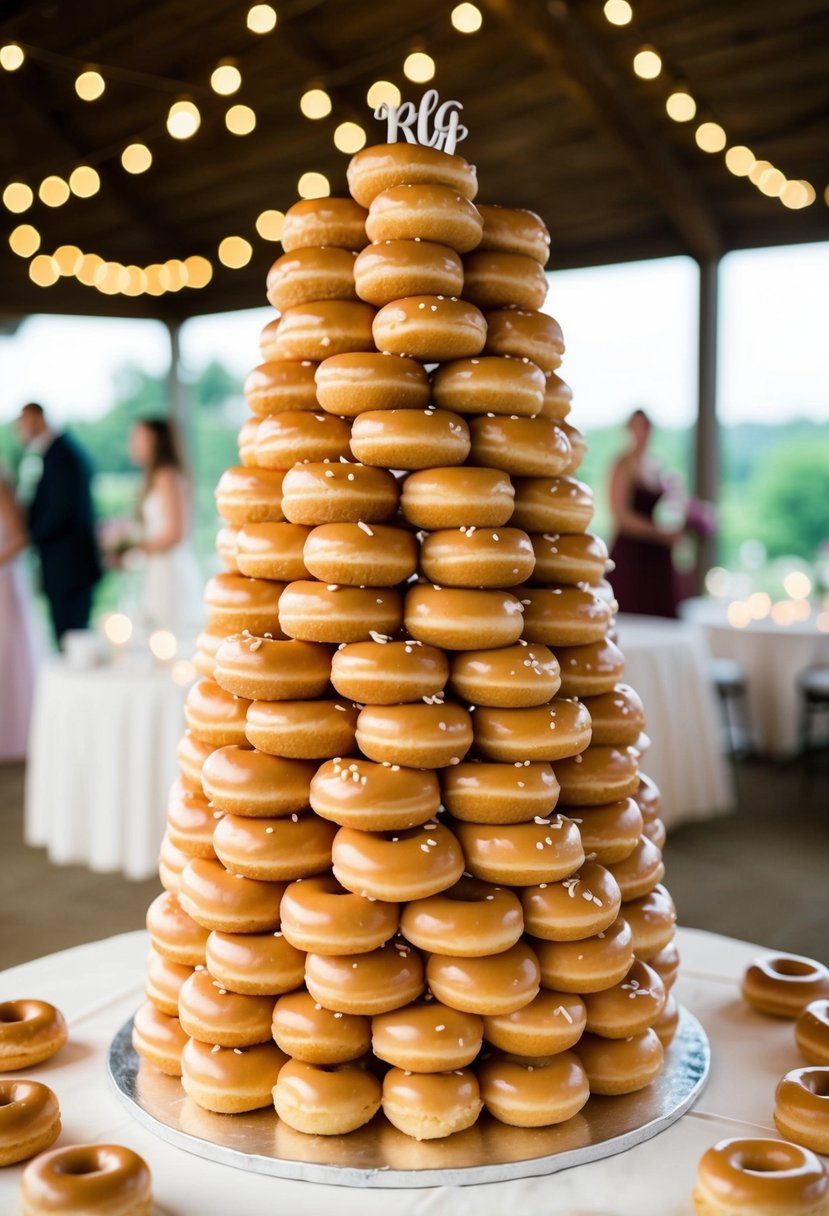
column 773, row 656
column 99, row 986
column 101, row 761
column 665, row 663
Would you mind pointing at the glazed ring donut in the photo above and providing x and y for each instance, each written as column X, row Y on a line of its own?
column 331, row 612
column 489, row 986
column 648, row 798
column 590, row 671
column 360, row 555
column 159, row 1039
column 323, row 328
column 367, row 984
column 543, row 732
column 390, row 270
column 227, row 547
column 87, row 1178
column 163, row 982
column 269, row 342
column 629, row 1007
column 425, row 212
column 812, row 1032
column 522, row 854
column 457, row 498
column 309, row 274
column 427, row 1037
column 579, row 906
column 190, row 822
column 760, row 1175
column 282, row 384
column 412, row 863
column 30, row 1032
column 578, row 557
column 552, row 1022
column 499, row 793
column 29, row 1119
column 207, row 644
column 171, row 861
column 611, row 832
column 578, row 447
column 524, row 1093
column 511, row 676
column 235, row 603
column 514, row 230
column 430, row 328
column 246, row 495
column 618, row 717
column 564, row 616
column 338, row 494
column 326, row 1100
column 339, row 222
column 255, row 964
column 386, row 673
column 461, row 619
column 173, row 933
column 322, row 917
column 247, row 782
column 410, row 439
column 302, row 730
column 470, row 919
column 215, row 899
column 523, row 447
column 667, row 1024
column 306, row 1031
column 477, row 557
column 292, row 438
column 215, row 716
column 378, row 168
column 374, row 797
column 666, row 964
column 212, row 1013
column 264, row 670
column 589, row 964
column 801, row 1108
column 274, row 850
column 620, row 1066
column 493, row 279
column 232, row 1080
column 350, row 384
column 552, row 504
column 652, row 921
column 489, row 385
column 431, row 1105
column 271, row 551
column 246, row 442
column 639, row 873
column 525, row 334
column 558, row 398
column 191, row 755
column 599, row 775
column 784, row 984
column 420, row 734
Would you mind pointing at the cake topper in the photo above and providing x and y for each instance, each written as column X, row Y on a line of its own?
column 432, row 123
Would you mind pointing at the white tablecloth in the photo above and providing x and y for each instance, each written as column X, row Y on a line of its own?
column 101, row 761
column 665, row 663
column 99, row 986
column 773, row 656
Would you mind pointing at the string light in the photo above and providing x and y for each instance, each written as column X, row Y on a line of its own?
column 647, row 64
column 710, row 137
column 90, row 85
column 43, row 271
column 68, row 259
column 757, row 170
column 17, row 197
column 183, row 119
column 349, row 137
column 85, row 272
column 315, row 103
column 136, row 158
column 466, row 18
column 199, row 271
column 24, row 240
column 794, row 195
column 12, row 57
column 313, row 185
column 739, row 160
column 226, row 78
column 618, row 12
column 235, row 252
column 84, row 181
column 269, row 225
column 163, row 644
column 53, row 191
column 418, row 67
column 118, row 628
column 681, row 106
column 771, row 182
column 383, row 91
column 173, row 275
column 261, row 19
column 240, row 120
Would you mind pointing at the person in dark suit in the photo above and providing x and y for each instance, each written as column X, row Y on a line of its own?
column 61, row 521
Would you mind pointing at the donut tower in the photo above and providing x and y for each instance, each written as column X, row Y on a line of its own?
column 410, row 861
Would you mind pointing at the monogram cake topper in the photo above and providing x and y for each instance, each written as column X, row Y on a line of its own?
column 432, row 123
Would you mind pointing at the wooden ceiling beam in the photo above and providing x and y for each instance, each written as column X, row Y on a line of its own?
column 554, row 33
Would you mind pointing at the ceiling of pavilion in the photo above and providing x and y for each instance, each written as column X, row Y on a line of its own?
column 558, row 121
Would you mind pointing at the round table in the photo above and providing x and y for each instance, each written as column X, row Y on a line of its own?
column 98, row 986
column 773, row 656
column 101, row 760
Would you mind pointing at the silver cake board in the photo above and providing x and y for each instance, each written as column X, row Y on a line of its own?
column 378, row 1155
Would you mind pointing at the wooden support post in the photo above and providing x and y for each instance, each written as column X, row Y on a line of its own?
column 177, row 392
column 707, row 444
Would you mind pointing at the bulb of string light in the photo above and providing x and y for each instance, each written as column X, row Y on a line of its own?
column 466, row 18
column 710, row 137
column 84, row 181
column 261, row 19
column 12, row 57
column 136, row 158
column 235, row 252
column 225, row 79
column 315, row 103
column 53, row 191
column 18, row 197
column 419, row 67
column 647, row 64
column 313, row 185
column 618, row 12
column 739, row 160
column 383, row 91
column 24, row 240
column 90, row 85
column 240, row 120
column 680, row 106
column 269, row 225
column 349, row 137
column 183, row 119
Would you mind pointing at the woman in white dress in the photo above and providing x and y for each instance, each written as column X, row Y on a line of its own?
column 17, row 651
column 170, row 596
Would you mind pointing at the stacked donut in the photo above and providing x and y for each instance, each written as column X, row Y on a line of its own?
column 410, row 861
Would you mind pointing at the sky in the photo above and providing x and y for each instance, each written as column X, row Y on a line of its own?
column 629, row 331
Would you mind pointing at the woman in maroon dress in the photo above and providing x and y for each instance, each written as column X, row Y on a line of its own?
column 643, row 580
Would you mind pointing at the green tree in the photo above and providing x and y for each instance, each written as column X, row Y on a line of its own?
column 790, row 494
